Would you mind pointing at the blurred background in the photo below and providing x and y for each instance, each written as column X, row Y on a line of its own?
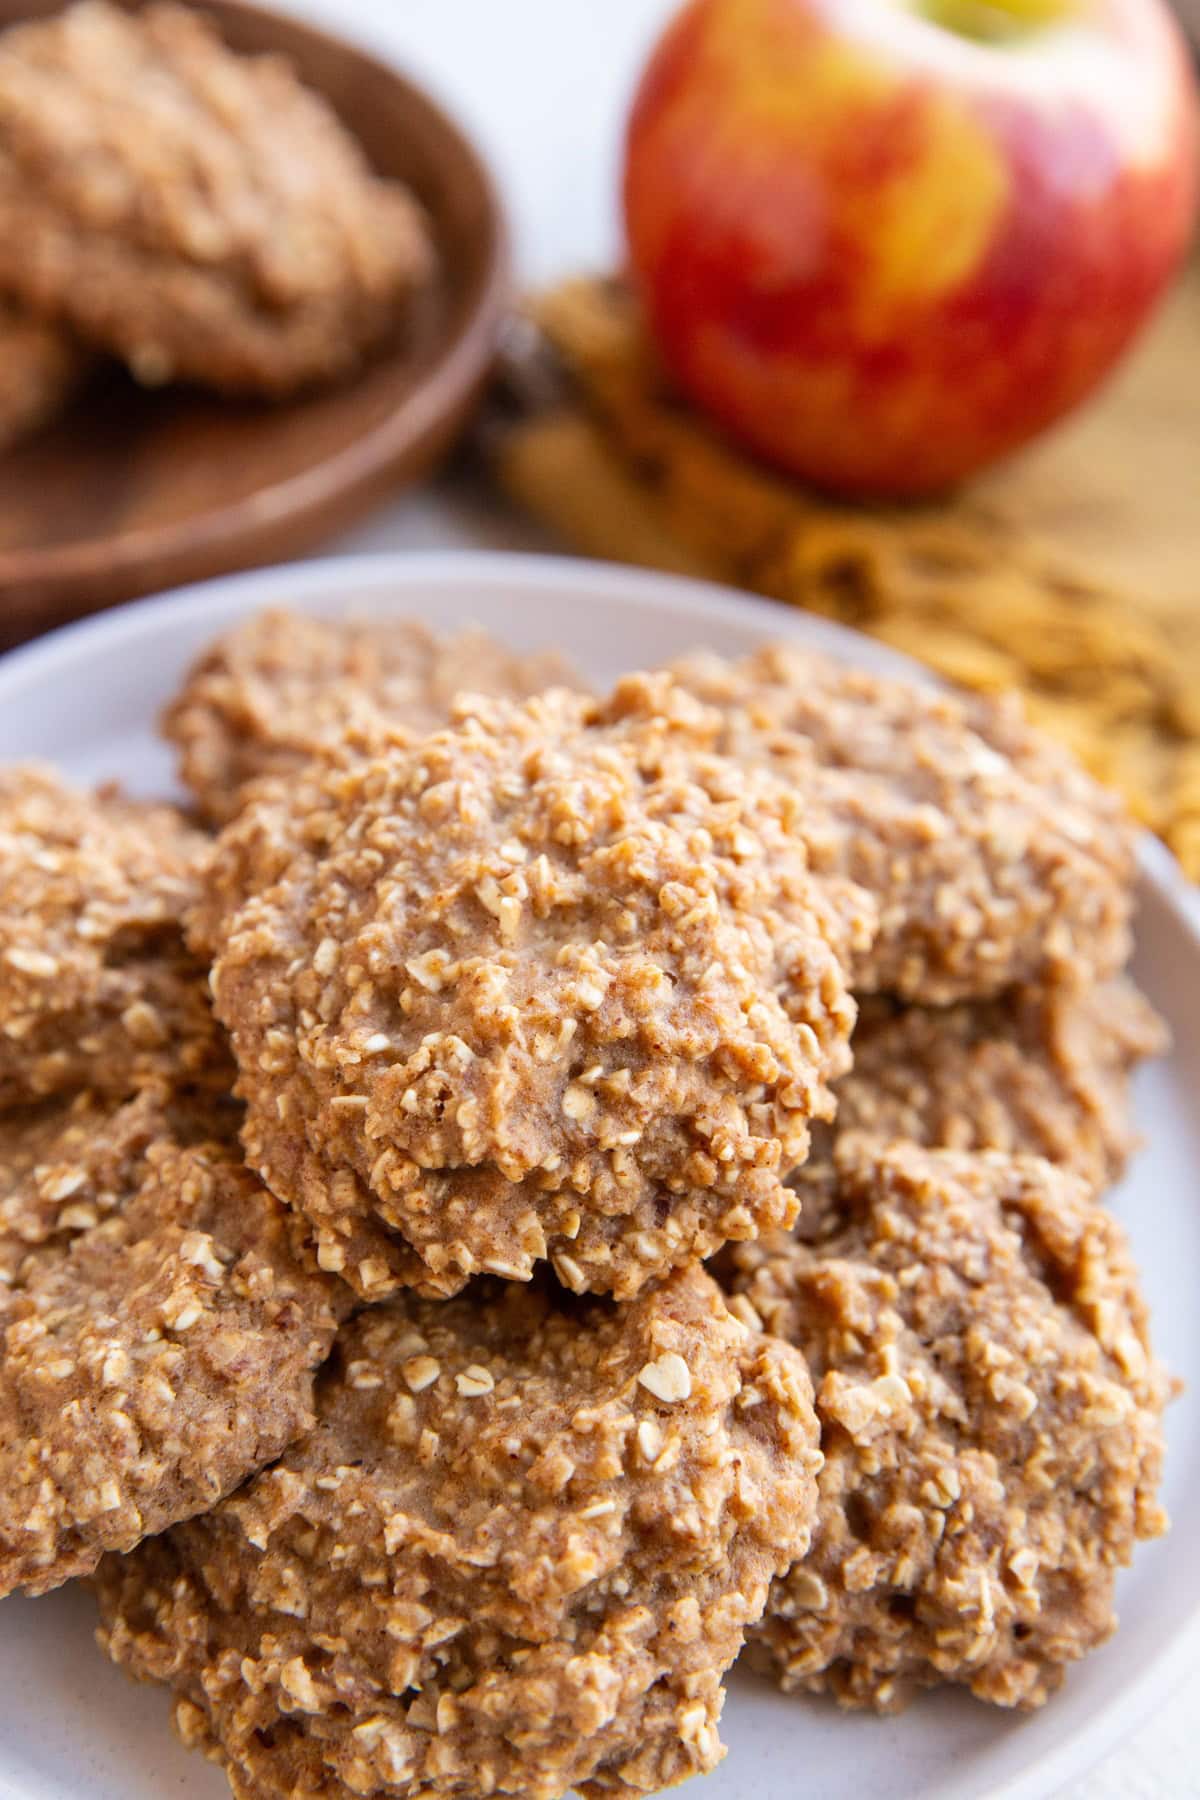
column 526, row 75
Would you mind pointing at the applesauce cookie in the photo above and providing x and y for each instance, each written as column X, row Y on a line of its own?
column 994, row 858
column 152, row 1359
column 990, row 1420
column 40, row 367
column 66, row 1165
column 551, row 983
column 97, row 988
column 270, row 691
column 1045, row 1071
column 516, row 1555
column 199, row 214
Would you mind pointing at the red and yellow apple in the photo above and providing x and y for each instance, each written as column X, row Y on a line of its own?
column 885, row 242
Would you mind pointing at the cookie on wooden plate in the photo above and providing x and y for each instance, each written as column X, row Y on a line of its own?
column 199, row 214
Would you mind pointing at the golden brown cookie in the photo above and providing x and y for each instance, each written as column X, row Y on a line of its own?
column 516, row 1555
column 199, row 214
column 990, row 1421
column 1044, row 1071
column 67, row 1165
column 40, row 368
column 271, row 691
column 97, row 989
column 152, row 1359
column 553, row 983
column 993, row 857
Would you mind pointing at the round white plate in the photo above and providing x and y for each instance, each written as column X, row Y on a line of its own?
column 71, row 1726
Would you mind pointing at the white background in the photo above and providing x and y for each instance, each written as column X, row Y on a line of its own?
column 543, row 85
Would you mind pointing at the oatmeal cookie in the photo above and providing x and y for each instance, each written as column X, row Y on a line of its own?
column 66, row 1165
column 516, row 1555
column 199, row 214
column 273, row 689
column 551, row 983
column 1044, row 1071
column 152, row 1359
column 40, row 367
column 990, row 1420
column 993, row 857
column 97, row 989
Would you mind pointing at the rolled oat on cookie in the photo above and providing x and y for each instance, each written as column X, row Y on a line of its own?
column 553, row 983
column 159, row 1337
column 270, row 691
column 97, row 988
column 517, row 1554
column 990, row 1415
column 1041, row 1071
column 993, row 857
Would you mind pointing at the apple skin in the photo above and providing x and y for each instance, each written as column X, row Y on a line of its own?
column 882, row 254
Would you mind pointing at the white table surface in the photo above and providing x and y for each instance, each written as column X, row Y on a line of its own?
column 543, row 86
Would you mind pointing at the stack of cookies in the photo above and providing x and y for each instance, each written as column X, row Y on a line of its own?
column 200, row 216
column 528, row 1192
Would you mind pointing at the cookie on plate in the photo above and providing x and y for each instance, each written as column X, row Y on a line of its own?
column 69, row 1164
column 990, row 1423
column 516, row 1555
column 40, row 368
column 553, row 983
column 158, row 1341
column 97, row 989
column 199, row 214
column 273, row 689
column 1044, row 1071
column 994, row 858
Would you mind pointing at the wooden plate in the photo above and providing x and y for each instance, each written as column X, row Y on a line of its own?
column 133, row 490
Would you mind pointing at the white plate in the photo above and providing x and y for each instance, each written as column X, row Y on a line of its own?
column 71, row 1726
